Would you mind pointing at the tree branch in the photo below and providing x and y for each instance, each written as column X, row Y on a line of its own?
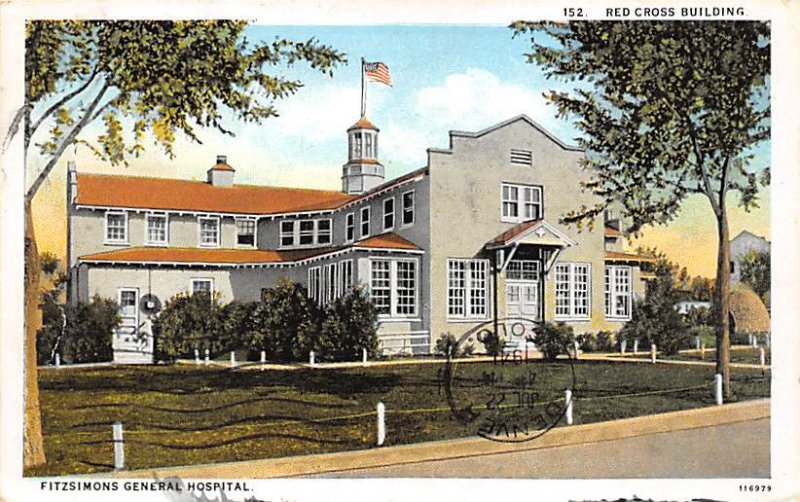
column 14, row 127
column 61, row 102
column 64, row 144
column 701, row 167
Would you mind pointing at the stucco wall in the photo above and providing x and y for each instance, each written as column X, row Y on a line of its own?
column 740, row 246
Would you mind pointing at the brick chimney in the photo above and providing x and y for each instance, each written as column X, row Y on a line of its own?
column 221, row 175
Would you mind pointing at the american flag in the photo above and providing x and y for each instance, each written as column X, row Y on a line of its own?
column 377, row 72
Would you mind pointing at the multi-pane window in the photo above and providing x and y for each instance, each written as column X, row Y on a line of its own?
column 117, row 227
column 287, row 233
column 306, row 232
column 245, row 232
column 156, row 229
column 573, row 295
column 355, row 145
column 388, row 214
column 314, row 283
column 467, row 288
column 350, row 227
column 324, row 231
column 364, row 222
column 523, row 270
column 202, row 286
column 520, row 202
column 408, row 208
column 331, row 281
column 393, row 287
column 346, row 276
column 209, row 231
column 368, row 138
column 618, row 291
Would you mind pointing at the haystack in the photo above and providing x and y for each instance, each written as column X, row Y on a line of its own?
column 748, row 311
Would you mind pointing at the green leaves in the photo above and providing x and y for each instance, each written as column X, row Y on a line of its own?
column 670, row 106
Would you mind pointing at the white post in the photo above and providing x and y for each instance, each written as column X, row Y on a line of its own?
column 763, row 356
column 568, row 414
column 196, row 356
column 653, row 353
column 233, row 359
column 622, row 346
column 311, row 358
column 718, row 388
column 576, row 346
column 263, row 357
column 702, row 350
column 636, row 346
column 364, row 356
column 119, row 447
column 58, row 360
column 381, row 424
column 208, row 358
column 767, row 339
column 697, row 343
column 755, row 341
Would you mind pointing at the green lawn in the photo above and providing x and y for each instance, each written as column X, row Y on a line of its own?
column 747, row 355
column 193, row 414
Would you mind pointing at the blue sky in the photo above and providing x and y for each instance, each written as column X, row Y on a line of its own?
column 445, row 77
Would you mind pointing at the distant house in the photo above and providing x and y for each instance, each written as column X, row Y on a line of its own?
column 740, row 246
column 684, row 307
column 471, row 236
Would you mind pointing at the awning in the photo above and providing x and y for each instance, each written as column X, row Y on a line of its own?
column 533, row 232
column 617, row 257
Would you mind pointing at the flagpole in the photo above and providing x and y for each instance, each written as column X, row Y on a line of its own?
column 363, row 91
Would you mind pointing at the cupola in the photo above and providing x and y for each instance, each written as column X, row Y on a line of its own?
column 363, row 171
column 221, row 175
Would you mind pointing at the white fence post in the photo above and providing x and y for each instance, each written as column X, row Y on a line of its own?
column 119, row 447
column 364, row 356
column 381, row 424
column 208, row 356
column 576, row 347
column 755, row 341
column 697, row 343
column 196, row 356
column 58, row 360
column 622, row 346
column 636, row 346
column 263, row 357
column 702, row 350
column 767, row 340
column 311, row 358
column 233, row 359
column 653, row 350
column 568, row 414
column 763, row 357
column 718, row 388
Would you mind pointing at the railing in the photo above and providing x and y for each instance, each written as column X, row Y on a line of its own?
column 410, row 342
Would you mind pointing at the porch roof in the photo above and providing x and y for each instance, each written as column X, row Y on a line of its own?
column 616, row 256
column 534, row 232
column 233, row 257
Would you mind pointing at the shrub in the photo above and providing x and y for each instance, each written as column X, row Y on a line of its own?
column 493, row 344
column 189, row 322
column 287, row 325
column 81, row 335
column 448, row 344
column 656, row 321
column 350, row 325
column 602, row 341
column 238, row 323
column 552, row 339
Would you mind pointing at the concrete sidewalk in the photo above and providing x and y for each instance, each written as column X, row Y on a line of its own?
column 323, row 464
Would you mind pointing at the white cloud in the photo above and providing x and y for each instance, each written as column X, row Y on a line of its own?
column 477, row 99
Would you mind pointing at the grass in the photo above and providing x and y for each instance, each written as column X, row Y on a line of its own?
column 177, row 415
column 743, row 355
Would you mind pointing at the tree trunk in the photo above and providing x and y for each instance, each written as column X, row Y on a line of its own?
column 721, row 300
column 33, row 448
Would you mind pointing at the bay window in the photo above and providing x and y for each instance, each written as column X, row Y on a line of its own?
column 393, row 287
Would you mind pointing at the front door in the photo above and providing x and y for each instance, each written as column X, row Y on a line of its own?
column 522, row 289
column 128, row 345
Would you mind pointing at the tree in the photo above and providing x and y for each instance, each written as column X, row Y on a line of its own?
column 755, row 271
column 667, row 110
column 137, row 77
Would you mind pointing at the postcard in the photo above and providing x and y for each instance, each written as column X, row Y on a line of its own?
column 434, row 251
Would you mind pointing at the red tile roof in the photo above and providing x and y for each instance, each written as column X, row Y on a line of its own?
column 362, row 123
column 163, row 193
column 617, row 256
column 612, row 232
column 512, row 232
column 392, row 241
column 222, row 167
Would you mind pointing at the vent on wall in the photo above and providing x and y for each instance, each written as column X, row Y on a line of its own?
column 521, row 157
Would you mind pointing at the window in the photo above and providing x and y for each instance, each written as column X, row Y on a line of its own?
column 521, row 157
column 364, row 222
column 618, row 292
column 209, row 231
column 388, row 214
column 202, row 286
column 408, row 208
column 467, row 287
column 332, row 285
column 245, row 232
column 393, row 287
column 368, row 146
column 324, row 231
column 357, row 142
column 156, row 229
column 116, row 227
column 306, row 232
column 329, row 282
column 314, row 283
column 522, row 270
column 520, row 203
column 346, row 276
column 287, row 233
column 350, row 227
column 573, row 298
